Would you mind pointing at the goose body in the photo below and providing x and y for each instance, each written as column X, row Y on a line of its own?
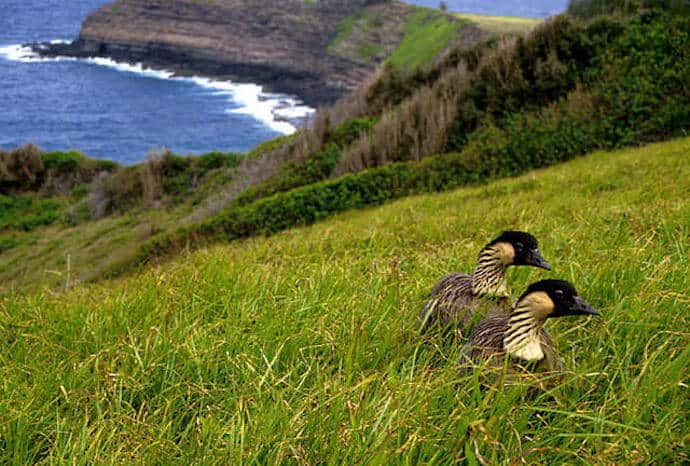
column 452, row 303
column 520, row 336
column 485, row 345
column 456, row 299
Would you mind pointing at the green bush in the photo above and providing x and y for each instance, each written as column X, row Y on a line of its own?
column 591, row 8
column 318, row 166
column 641, row 81
column 100, row 165
column 63, row 162
column 350, row 130
column 164, row 177
column 215, row 160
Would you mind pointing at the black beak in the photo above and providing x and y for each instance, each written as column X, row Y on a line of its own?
column 535, row 258
column 582, row 307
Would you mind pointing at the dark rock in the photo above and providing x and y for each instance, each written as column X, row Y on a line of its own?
column 283, row 45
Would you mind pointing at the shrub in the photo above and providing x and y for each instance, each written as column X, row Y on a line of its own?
column 641, row 81
column 591, row 8
column 21, row 169
column 164, row 178
column 318, row 166
column 28, row 169
column 215, row 160
column 63, row 162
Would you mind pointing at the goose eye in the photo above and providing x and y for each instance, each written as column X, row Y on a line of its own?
column 519, row 246
column 559, row 292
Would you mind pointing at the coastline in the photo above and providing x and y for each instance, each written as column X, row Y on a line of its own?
column 186, row 63
column 281, row 112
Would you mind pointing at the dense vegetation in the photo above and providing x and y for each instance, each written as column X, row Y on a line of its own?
column 591, row 8
column 566, row 89
column 302, row 348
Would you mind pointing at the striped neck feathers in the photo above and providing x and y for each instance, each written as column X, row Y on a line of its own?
column 526, row 320
column 489, row 276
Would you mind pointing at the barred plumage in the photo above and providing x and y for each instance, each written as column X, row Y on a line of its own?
column 520, row 336
column 457, row 298
column 453, row 305
column 485, row 346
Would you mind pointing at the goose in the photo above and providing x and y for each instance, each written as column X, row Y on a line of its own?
column 520, row 334
column 458, row 297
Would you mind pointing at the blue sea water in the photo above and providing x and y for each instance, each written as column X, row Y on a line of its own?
column 524, row 8
column 111, row 111
column 119, row 112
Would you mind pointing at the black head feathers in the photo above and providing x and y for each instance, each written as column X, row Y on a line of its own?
column 525, row 247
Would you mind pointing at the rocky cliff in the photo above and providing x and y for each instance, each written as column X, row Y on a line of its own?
column 317, row 50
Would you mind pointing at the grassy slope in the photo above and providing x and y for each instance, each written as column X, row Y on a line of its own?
column 38, row 258
column 302, row 348
column 501, row 24
column 427, row 33
column 407, row 36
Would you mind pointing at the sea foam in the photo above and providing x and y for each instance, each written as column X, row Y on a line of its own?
column 277, row 111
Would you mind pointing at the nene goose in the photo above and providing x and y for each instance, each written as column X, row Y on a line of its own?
column 520, row 334
column 458, row 297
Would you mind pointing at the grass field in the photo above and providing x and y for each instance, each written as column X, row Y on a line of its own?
column 501, row 24
column 39, row 258
column 301, row 348
column 426, row 34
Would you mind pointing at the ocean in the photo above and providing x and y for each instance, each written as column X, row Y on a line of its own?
column 119, row 112
column 523, row 8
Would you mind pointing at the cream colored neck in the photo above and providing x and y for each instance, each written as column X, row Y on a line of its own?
column 522, row 338
column 489, row 276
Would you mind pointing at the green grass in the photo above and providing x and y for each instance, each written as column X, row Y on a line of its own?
column 301, row 348
column 426, row 34
column 501, row 24
column 27, row 212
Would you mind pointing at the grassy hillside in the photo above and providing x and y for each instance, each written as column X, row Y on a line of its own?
column 405, row 35
column 501, row 24
column 426, row 34
column 301, row 348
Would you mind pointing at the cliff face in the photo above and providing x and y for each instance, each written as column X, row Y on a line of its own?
column 290, row 46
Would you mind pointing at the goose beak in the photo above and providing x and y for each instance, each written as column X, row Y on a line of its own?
column 582, row 307
column 536, row 259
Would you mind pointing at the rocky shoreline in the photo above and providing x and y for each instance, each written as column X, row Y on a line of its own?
column 288, row 47
column 310, row 88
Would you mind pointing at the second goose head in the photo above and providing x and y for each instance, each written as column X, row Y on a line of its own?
column 542, row 300
column 509, row 248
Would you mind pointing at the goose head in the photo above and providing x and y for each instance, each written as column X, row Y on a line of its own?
column 542, row 300
column 518, row 248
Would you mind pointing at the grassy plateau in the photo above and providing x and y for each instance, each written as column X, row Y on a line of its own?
column 501, row 24
column 302, row 348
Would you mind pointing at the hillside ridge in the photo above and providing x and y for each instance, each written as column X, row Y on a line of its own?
column 316, row 50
